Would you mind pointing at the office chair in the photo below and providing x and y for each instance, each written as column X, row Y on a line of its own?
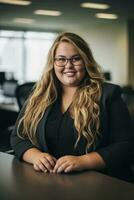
column 8, row 117
column 128, row 97
column 107, row 76
column 23, row 91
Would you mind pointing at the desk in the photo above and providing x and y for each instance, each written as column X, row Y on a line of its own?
column 8, row 114
column 8, row 103
column 9, row 107
column 19, row 181
column 8, row 111
column 7, row 118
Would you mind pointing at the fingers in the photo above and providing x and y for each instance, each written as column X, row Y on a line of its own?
column 39, row 167
column 67, row 164
column 45, row 164
column 68, row 169
column 64, row 164
column 51, row 160
column 60, row 167
column 65, row 167
column 48, row 163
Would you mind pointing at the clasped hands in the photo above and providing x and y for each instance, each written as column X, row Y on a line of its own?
column 47, row 163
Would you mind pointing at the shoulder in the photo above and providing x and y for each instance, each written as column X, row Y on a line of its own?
column 111, row 91
column 110, row 87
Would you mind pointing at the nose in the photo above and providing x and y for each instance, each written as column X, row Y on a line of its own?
column 69, row 64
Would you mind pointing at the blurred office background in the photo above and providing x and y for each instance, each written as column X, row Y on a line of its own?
column 28, row 28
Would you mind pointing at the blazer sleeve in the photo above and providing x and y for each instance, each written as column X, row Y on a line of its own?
column 19, row 145
column 119, row 148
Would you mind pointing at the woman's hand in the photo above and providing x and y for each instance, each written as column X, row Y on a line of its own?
column 69, row 163
column 44, row 162
column 47, row 163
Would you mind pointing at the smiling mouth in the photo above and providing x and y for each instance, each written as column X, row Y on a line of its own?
column 70, row 72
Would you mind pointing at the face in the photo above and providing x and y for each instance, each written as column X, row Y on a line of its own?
column 72, row 72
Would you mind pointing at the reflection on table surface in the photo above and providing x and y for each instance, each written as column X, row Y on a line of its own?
column 18, row 180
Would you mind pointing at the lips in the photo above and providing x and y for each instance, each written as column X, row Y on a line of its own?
column 70, row 72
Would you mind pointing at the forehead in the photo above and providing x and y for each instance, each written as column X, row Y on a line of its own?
column 65, row 48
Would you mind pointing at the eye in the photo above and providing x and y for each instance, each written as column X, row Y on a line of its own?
column 76, row 58
column 61, row 59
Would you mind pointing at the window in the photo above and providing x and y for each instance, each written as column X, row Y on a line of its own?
column 23, row 54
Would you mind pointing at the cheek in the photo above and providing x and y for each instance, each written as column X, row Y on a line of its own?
column 58, row 71
column 82, row 72
column 55, row 70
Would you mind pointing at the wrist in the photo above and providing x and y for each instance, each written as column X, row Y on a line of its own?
column 31, row 155
column 93, row 161
column 85, row 161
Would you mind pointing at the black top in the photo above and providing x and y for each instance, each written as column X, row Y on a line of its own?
column 115, row 145
column 59, row 132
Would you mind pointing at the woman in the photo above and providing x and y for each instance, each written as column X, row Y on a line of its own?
column 73, row 120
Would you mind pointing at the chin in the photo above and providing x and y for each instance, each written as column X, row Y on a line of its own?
column 71, row 84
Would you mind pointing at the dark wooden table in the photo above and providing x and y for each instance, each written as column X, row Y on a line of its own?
column 19, row 181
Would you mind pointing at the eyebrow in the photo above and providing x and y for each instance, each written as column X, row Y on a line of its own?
column 66, row 57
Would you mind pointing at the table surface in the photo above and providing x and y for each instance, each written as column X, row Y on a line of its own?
column 19, row 181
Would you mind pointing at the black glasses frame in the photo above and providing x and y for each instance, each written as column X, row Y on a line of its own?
column 71, row 59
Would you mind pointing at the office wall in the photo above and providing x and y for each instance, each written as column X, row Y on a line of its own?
column 131, row 52
column 109, row 43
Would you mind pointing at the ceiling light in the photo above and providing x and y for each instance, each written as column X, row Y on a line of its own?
column 23, row 20
column 16, row 2
column 106, row 16
column 48, row 12
column 94, row 5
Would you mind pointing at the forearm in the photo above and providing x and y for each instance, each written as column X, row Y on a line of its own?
column 31, row 155
column 93, row 161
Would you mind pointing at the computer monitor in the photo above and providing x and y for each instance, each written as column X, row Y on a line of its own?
column 9, row 88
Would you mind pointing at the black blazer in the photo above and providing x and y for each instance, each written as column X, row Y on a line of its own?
column 115, row 145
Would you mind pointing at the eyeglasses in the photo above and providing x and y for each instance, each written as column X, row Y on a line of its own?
column 62, row 61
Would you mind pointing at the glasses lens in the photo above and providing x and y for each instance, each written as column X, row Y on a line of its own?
column 76, row 60
column 60, row 61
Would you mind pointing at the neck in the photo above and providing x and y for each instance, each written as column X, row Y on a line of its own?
column 67, row 96
column 68, row 91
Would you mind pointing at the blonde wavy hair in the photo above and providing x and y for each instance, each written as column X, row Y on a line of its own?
column 84, row 109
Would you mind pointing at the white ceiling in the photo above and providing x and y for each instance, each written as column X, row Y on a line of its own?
column 73, row 15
